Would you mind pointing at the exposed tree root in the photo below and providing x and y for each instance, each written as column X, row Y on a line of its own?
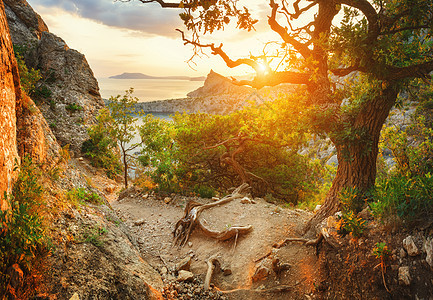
column 189, row 221
column 210, row 268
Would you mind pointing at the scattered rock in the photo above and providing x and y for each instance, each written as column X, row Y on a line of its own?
column 110, row 188
column 184, row 264
column 164, row 271
column 428, row 246
column 139, row 222
column 404, row 276
column 409, row 245
column 402, row 253
column 189, row 244
column 246, row 200
column 365, row 213
column 185, row 276
column 215, row 198
column 75, row 297
column 261, row 273
column 167, row 200
column 317, row 208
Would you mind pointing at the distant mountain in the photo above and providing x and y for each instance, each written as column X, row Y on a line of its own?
column 144, row 76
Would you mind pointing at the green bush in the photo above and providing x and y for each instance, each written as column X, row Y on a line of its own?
column 28, row 78
column 22, row 235
column 101, row 147
column 349, row 222
column 82, row 195
column 405, row 197
column 204, row 191
column 73, row 107
column 404, row 193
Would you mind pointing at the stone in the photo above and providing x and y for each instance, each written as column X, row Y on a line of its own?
column 215, row 198
column 409, row 245
column 316, row 209
column 246, row 200
column 184, row 264
column 261, row 273
column 365, row 213
column 185, row 276
column 402, row 253
column 404, row 276
column 164, row 270
column 167, row 200
column 428, row 246
column 189, row 244
column 110, row 188
column 75, row 297
column 139, row 222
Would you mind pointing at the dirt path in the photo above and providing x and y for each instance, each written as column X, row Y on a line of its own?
column 152, row 222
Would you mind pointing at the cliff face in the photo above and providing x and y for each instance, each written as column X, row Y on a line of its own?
column 9, row 101
column 68, row 94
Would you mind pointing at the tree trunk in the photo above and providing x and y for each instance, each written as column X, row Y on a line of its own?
column 357, row 161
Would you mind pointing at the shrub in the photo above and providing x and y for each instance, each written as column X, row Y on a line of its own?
column 349, row 222
column 22, row 234
column 28, row 78
column 81, row 195
column 73, row 107
column 101, row 147
column 204, row 191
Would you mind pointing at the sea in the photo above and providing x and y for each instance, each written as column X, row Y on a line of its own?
column 148, row 89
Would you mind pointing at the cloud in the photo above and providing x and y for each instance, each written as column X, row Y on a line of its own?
column 149, row 18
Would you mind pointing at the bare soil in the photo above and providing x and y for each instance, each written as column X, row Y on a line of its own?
column 152, row 221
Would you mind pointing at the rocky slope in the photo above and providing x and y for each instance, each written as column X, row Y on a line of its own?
column 68, row 94
column 11, row 98
column 218, row 95
column 111, row 268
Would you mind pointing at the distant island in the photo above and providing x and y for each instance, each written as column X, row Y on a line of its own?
column 144, row 76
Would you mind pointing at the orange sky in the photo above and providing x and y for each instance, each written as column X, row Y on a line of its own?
column 115, row 42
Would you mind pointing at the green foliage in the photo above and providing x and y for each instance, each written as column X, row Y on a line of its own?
column 405, row 192
column 196, row 149
column 123, row 126
column 204, row 191
column 73, row 107
column 381, row 251
column 349, row 222
column 28, row 78
column 82, row 195
column 42, row 92
column 101, row 147
column 158, row 153
column 22, row 234
column 94, row 235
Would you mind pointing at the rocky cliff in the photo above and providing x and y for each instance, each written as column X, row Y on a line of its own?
column 109, row 269
column 218, row 95
column 9, row 101
column 68, row 93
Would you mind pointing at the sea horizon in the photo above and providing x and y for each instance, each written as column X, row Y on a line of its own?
column 147, row 90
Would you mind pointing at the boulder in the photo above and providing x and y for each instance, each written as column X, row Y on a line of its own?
column 404, row 276
column 185, row 276
column 409, row 245
column 428, row 246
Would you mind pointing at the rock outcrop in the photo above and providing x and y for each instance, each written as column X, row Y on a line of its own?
column 218, row 95
column 9, row 101
column 68, row 94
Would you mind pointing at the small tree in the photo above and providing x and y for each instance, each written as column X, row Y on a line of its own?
column 124, row 128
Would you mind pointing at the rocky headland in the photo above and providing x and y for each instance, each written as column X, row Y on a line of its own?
column 218, row 95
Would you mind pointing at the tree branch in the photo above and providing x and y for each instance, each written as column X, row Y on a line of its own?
column 370, row 13
column 275, row 26
column 164, row 4
column 218, row 51
column 417, row 71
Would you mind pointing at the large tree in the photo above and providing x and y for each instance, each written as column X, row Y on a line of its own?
column 376, row 45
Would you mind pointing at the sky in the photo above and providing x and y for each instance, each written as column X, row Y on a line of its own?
column 119, row 37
